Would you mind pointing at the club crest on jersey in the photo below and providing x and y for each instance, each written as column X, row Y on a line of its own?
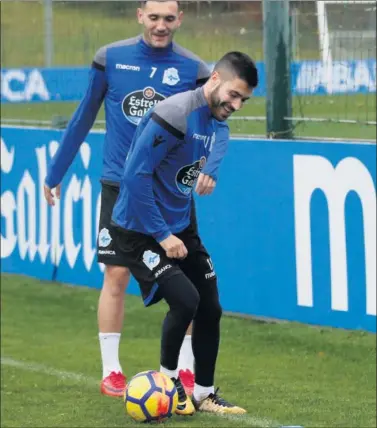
column 171, row 76
column 187, row 176
column 137, row 103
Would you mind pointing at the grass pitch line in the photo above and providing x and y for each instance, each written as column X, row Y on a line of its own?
column 248, row 420
column 40, row 368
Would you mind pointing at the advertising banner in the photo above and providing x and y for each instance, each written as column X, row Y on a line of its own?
column 291, row 226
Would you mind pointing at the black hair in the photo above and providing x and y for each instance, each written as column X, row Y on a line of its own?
column 241, row 65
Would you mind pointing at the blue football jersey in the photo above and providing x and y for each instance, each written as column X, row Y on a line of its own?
column 170, row 148
column 130, row 77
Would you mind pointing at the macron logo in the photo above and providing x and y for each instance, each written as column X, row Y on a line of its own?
column 200, row 137
column 127, row 67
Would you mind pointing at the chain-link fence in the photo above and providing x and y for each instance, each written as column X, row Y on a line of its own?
column 68, row 33
column 79, row 28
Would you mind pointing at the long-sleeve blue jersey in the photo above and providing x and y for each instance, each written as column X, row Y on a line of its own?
column 130, row 77
column 169, row 150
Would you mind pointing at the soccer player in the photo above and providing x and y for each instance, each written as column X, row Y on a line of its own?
column 130, row 76
column 152, row 221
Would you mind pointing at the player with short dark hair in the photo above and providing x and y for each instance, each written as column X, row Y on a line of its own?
column 129, row 76
column 152, row 218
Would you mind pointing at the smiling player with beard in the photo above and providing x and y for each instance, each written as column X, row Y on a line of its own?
column 152, row 221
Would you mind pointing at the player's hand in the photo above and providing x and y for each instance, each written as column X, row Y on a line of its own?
column 205, row 185
column 174, row 247
column 49, row 195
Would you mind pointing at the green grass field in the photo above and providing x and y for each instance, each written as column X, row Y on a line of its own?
column 284, row 374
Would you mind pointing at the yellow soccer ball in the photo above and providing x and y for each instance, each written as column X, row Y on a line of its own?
column 150, row 396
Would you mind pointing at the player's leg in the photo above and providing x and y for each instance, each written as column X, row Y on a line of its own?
column 206, row 324
column 186, row 356
column 206, row 330
column 183, row 299
column 160, row 278
column 186, row 362
column 206, row 338
column 111, row 300
column 110, row 320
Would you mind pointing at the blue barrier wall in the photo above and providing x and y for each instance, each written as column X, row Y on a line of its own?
column 69, row 84
column 291, row 226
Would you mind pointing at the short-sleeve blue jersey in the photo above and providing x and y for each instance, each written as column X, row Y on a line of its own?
column 169, row 150
column 130, row 77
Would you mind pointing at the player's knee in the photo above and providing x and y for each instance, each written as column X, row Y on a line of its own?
column 210, row 313
column 116, row 279
column 181, row 296
column 188, row 306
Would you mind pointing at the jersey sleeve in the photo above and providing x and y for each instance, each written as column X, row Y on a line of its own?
column 80, row 123
column 203, row 74
column 149, row 149
column 218, row 151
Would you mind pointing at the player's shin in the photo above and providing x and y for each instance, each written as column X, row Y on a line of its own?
column 186, row 363
column 206, row 334
column 183, row 299
column 110, row 320
column 206, row 339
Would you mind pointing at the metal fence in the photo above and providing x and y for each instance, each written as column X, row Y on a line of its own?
column 68, row 33
column 52, row 32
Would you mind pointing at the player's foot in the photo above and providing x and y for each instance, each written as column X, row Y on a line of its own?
column 215, row 404
column 184, row 406
column 114, row 384
column 188, row 380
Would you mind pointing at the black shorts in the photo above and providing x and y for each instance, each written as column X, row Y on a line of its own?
column 149, row 264
column 107, row 251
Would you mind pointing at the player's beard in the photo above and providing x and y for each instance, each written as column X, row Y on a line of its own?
column 220, row 109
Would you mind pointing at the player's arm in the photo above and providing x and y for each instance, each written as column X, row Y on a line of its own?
column 150, row 148
column 207, row 179
column 78, row 127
